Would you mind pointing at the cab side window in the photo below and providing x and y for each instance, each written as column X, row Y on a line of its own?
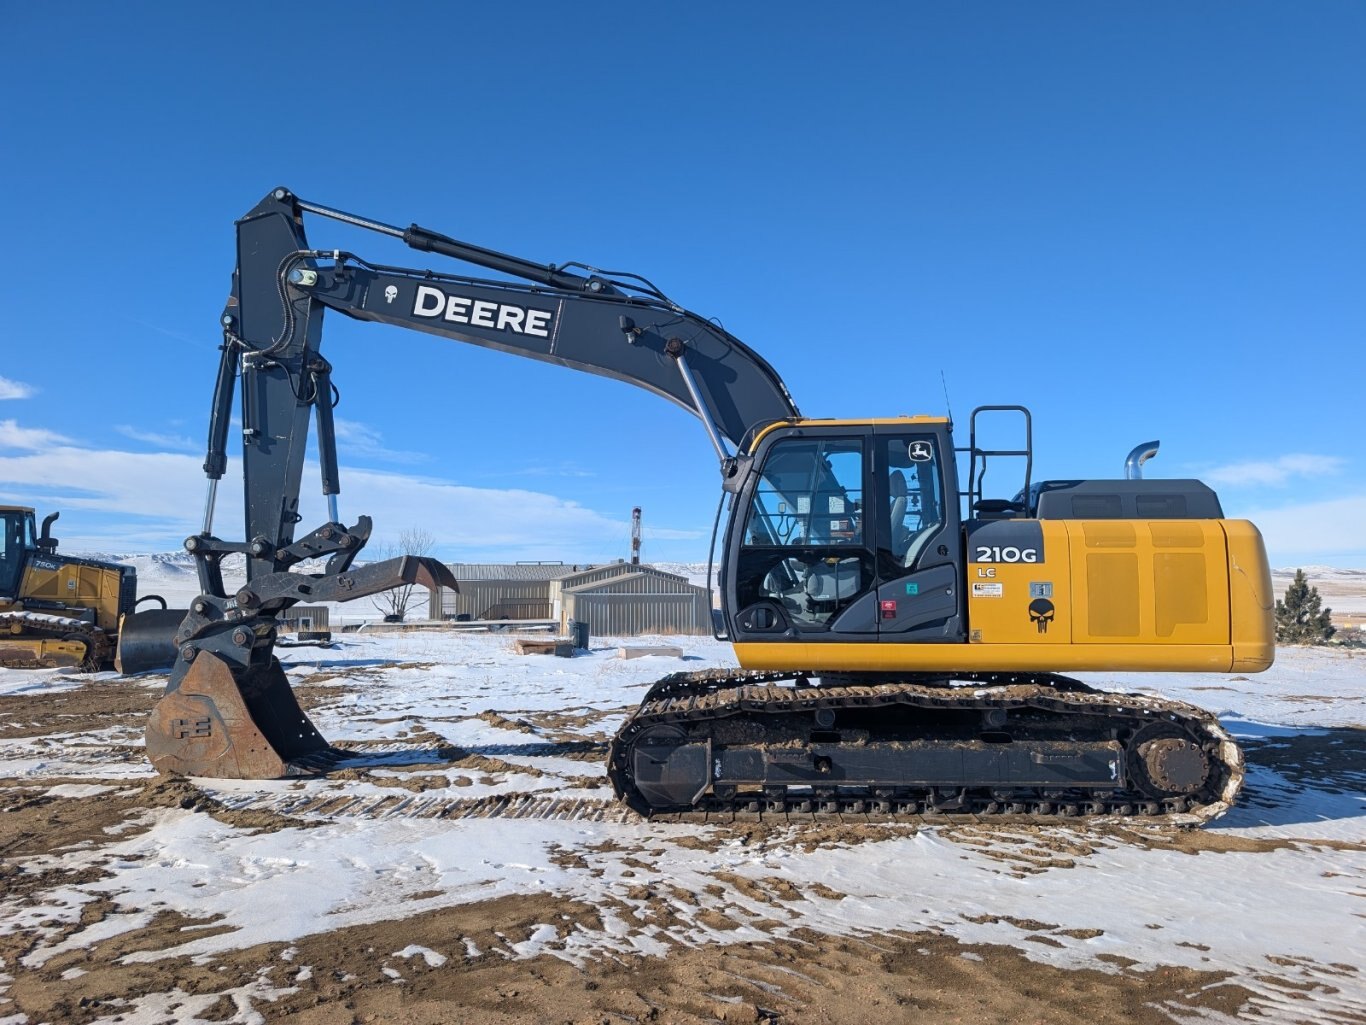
column 915, row 497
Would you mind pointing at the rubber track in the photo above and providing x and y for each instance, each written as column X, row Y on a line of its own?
column 697, row 697
column 99, row 649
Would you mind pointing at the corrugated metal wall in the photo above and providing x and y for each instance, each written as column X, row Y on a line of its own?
column 628, row 614
column 498, row 599
column 597, row 574
column 295, row 615
column 637, row 583
column 616, row 599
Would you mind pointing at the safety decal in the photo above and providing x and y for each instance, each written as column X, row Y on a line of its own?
column 1041, row 613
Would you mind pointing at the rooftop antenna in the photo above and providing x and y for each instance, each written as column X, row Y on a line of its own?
column 944, row 381
column 635, row 536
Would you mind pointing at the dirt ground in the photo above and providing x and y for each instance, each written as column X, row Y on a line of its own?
column 354, row 975
column 389, row 971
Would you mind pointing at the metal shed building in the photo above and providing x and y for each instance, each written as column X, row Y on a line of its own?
column 596, row 574
column 304, row 619
column 501, row 590
column 637, row 601
column 614, row 599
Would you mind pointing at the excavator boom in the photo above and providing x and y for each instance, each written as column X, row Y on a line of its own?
column 226, row 690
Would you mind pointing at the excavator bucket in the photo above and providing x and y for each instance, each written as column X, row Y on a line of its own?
column 147, row 640
column 229, row 722
column 215, row 726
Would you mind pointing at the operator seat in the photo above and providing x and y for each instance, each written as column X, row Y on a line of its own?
column 901, row 536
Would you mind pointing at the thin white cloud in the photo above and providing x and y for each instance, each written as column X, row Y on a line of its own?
column 134, row 498
column 671, row 534
column 460, row 516
column 1273, row 472
column 358, row 439
column 15, row 389
column 562, row 470
column 179, row 442
column 1333, row 530
column 28, row 439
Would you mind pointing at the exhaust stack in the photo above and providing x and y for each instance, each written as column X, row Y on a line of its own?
column 1133, row 465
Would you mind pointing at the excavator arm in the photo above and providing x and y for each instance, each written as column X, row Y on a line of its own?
column 614, row 325
column 228, row 709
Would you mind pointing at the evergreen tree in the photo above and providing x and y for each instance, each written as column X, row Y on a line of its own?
column 1300, row 618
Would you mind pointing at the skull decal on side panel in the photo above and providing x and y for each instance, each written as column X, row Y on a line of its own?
column 1041, row 612
column 390, row 293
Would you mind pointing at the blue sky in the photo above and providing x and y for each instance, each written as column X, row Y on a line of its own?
column 1142, row 220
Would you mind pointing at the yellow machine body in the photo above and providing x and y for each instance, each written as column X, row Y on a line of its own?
column 55, row 579
column 42, row 591
column 1125, row 595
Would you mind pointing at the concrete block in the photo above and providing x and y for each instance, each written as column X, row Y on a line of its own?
column 640, row 651
column 563, row 647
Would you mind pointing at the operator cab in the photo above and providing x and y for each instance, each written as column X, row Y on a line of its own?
column 848, row 531
column 18, row 541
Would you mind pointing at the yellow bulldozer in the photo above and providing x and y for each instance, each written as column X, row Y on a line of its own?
column 67, row 611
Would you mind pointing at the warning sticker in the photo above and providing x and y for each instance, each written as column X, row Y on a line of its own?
column 991, row 590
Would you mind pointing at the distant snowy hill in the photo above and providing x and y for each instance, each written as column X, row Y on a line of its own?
column 1342, row 590
column 172, row 575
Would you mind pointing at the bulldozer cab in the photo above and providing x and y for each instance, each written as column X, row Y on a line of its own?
column 17, row 542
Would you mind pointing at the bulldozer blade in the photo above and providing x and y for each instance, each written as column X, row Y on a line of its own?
column 243, row 726
column 147, row 640
column 41, row 653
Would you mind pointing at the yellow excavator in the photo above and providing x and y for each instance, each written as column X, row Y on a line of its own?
column 60, row 610
column 902, row 633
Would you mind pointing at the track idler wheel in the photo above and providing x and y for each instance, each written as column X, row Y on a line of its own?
column 226, row 724
column 663, row 770
column 1167, row 762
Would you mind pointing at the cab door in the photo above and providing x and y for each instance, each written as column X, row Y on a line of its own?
column 918, row 552
column 16, row 543
column 800, row 562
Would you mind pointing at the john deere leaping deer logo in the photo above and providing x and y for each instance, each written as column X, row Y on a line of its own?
column 1041, row 611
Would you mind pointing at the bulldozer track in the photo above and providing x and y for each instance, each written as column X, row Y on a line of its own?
column 39, row 626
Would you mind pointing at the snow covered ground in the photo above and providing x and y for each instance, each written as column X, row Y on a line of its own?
column 480, row 778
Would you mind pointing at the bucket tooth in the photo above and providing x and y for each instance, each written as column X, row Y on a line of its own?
column 234, row 724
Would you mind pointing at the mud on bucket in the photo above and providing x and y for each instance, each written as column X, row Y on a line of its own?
column 246, row 728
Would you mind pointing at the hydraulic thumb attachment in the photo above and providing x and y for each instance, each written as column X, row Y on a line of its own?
column 228, row 711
